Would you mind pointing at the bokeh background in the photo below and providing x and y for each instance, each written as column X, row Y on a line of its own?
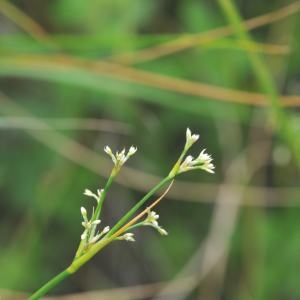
column 77, row 75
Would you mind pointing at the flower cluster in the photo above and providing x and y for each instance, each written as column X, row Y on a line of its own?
column 120, row 157
column 151, row 220
column 185, row 163
column 90, row 234
column 97, row 196
column 129, row 237
column 202, row 161
column 190, row 138
column 93, row 240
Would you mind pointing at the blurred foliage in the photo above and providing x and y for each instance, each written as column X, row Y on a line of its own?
column 104, row 60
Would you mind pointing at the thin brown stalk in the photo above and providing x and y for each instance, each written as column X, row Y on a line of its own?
column 25, row 22
column 62, row 63
column 188, row 40
column 271, row 49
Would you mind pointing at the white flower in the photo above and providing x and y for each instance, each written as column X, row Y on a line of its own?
column 109, row 152
column 90, row 224
column 190, row 138
column 96, row 222
column 129, row 237
column 86, row 224
column 132, row 150
column 89, row 232
column 203, row 161
column 94, row 239
column 208, row 168
column 84, row 235
column 204, row 157
column 105, row 230
column 161, row 230
column 187, row 163
column 89, row 193
column 89, row 235
column 83, row 213
column 120, row 157
column 151, row 220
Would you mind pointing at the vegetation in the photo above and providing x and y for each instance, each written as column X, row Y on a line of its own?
column 78, row 75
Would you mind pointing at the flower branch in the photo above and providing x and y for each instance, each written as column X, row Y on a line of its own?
column 93, row 239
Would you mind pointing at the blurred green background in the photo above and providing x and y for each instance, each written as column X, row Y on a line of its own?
column 76, row 75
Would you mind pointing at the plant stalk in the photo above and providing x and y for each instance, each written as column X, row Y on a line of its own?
column 130, row 213
column 79, row 261
column 42, row 291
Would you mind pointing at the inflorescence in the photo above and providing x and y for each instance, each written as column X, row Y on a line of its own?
column 185, row 163
column 94, row 238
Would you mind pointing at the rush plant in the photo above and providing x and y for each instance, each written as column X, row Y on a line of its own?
column 95, row 236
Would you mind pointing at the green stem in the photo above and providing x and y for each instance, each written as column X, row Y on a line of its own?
column 50, row 285
column 97, row 212
column 130, row 213
column 84, row 258
column 103, row 195
column 81, row 259
column 176, row 167
column 135, row 226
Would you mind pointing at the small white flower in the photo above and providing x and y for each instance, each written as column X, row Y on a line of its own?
column 120, row 157
column 132, row 150
column 161, row 230
column 96, row 222
column 152, row 219
column 189, row 161
column 83, row 213
column 209, row 167
column 109, row 152
column 204, row 157
column 86, row 224
column 105, row 230
column 89, row 193
column 187, row 164
column 190, row 138
column 203, row 161
column 84, row 235
column 94, row 239
column 129, row 237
